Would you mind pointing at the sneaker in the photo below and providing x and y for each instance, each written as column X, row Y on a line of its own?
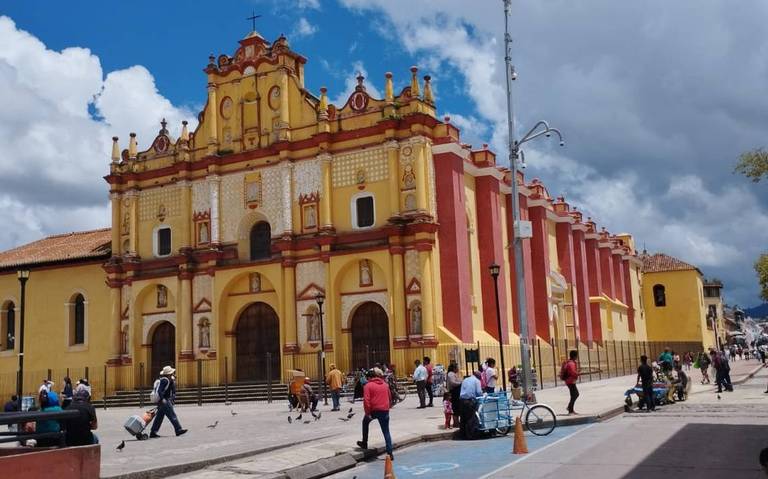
column 362, row 445
column 391, row 456
column 181, row 432
column 153, row 435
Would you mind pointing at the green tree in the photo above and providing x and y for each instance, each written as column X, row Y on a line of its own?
column 753, row 164
column 761, row 267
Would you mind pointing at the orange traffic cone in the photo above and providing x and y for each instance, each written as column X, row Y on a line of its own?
column 388, row 472
column 520, row 446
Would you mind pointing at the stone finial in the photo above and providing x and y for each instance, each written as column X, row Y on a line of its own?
column 389, row 90
column 322, row 108
column 115, row 150
column 211, row 61
column 132, row 147
column 360, row 79
column 184, row 132
column 163, row 125
column 415, row 92
column 428, row 89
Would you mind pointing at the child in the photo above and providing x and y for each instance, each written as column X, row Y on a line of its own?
column 447, row 409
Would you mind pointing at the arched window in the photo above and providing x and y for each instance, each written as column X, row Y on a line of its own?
column 659, row 295
column 261, row 241
column 79, row 320
column 8, row 327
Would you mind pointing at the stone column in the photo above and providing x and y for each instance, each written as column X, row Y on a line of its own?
column 186, row 215
column 115, row 319
column 326, row 196
column 133, row 236
column 289, row 304
column 421, row 175
column 115, row 199
column 214, row 181
column 393, row 150
column 398, row 294
column 184, row 320
column 427, row 293
column 285, row 116
column 286, row 178
column 212, row 120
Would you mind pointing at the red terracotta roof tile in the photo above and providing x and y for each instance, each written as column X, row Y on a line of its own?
column 60, row 248
column 661, row 262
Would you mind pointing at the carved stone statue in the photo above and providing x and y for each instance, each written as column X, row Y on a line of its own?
column 409, row 177
column 313, row 326
column 416, row 318
column 162, row 296
column 366, row 277
column 255, row 282
column 203, row 236
column 205, row 333
column 310, row 216
column 124, row 340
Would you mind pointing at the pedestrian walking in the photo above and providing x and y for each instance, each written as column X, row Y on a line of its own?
column 334, row 379
column 428, row 366
column 164, row 392
column 447, row 410
column 645, row 379
column 80, row 429
column 491, row 376
column 376, row 406
column 570, row 374
column 470, row 391
column 703, row 364
column 66, row 393
column 420, row 378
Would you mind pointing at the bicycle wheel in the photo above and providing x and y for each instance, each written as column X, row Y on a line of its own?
column 540, row 420
column 503, row 430
column 401, row 393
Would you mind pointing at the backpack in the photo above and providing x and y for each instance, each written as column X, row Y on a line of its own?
column 154, row 396
column 564, row 371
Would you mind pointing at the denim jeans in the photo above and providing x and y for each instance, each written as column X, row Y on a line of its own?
column 335, row 397
column 165, row 408
column 574, row 391
column 421, row 391
column 383, row 418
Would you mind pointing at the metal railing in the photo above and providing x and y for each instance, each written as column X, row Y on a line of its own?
column 21, row 418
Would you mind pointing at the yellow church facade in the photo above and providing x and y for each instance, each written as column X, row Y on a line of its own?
column 223, row 240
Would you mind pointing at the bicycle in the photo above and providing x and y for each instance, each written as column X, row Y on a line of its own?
column 397, row 393
column 539, row 419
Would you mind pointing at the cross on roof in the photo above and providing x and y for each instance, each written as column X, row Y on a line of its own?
column 253, row 18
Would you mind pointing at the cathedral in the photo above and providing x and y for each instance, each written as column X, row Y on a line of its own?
column 284, row 224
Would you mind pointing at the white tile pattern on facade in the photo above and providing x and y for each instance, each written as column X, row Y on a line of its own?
column 346, row 167
column 150, row 201
column 201, row 197
column 201, row 289
column 309, row 272
column 307, row 178
column 412, row 269
column 233, row 202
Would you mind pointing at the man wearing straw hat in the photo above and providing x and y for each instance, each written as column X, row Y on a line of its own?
column 166, row 390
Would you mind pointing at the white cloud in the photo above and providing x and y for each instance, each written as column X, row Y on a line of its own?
column 351, row 82
column 304, row 28
column 308, row 4
column 54, row 153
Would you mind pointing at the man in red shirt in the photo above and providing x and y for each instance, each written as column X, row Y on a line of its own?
column 376, row 404
column 571, row 374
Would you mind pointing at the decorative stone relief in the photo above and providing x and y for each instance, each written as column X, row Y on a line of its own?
column 201, row 288
column 125, row 299
column 201, row 197
column 412, row 269
column 349, row 301
column 346, row 167
column 150, row 203
column 307, row 178
column 233, row 202
column 150, row 320
column 308, row 273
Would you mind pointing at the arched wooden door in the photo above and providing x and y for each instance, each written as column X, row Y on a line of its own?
column 257, row 344
column 370, row 336
column 163, row 348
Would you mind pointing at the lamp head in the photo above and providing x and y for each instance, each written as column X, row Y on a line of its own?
column 494, row 269
column 320, row 298
column 562, row 143
column 23, row 274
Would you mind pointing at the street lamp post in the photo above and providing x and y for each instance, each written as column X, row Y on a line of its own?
column 320, row 299
column 23, row 275
column 522, row 229
column 495, row 269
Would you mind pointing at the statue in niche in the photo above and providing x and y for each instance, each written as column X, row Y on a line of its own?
column 205, row 333
column 162, row 296
column 253, row 192
column 310, row 216
column 126, row 222
column 366, row 277
column 203, row 236
column 416, row 318
column 409, row 177
column 124, row 340
column 313, row 326
column 162, row 212
column 360, row 176
column 255, row 283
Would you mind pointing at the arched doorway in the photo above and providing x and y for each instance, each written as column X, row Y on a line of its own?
column 370, row 336
column 163, row 350
column 257, row 334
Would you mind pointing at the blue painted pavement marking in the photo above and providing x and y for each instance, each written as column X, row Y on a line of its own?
column 454, row 459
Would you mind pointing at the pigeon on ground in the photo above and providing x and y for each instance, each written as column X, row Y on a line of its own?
column 290, row 419
column 718, row 397
column 319, row 415
column 345, row 419
column 349, row 416
column 316, row 416
column 211, row 426
column 121, row 446
column 350, row 411
column 298, row 418
column 233, row 412
column 307, row 421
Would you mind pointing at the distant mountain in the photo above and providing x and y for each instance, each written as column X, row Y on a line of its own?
column 760, row 311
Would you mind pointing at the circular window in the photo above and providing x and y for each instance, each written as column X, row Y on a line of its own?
column 226, row 108
column 274, row 97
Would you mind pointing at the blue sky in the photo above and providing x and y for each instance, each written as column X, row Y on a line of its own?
column 656, row 100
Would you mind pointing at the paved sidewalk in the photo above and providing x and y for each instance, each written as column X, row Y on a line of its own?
column 238, row 444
